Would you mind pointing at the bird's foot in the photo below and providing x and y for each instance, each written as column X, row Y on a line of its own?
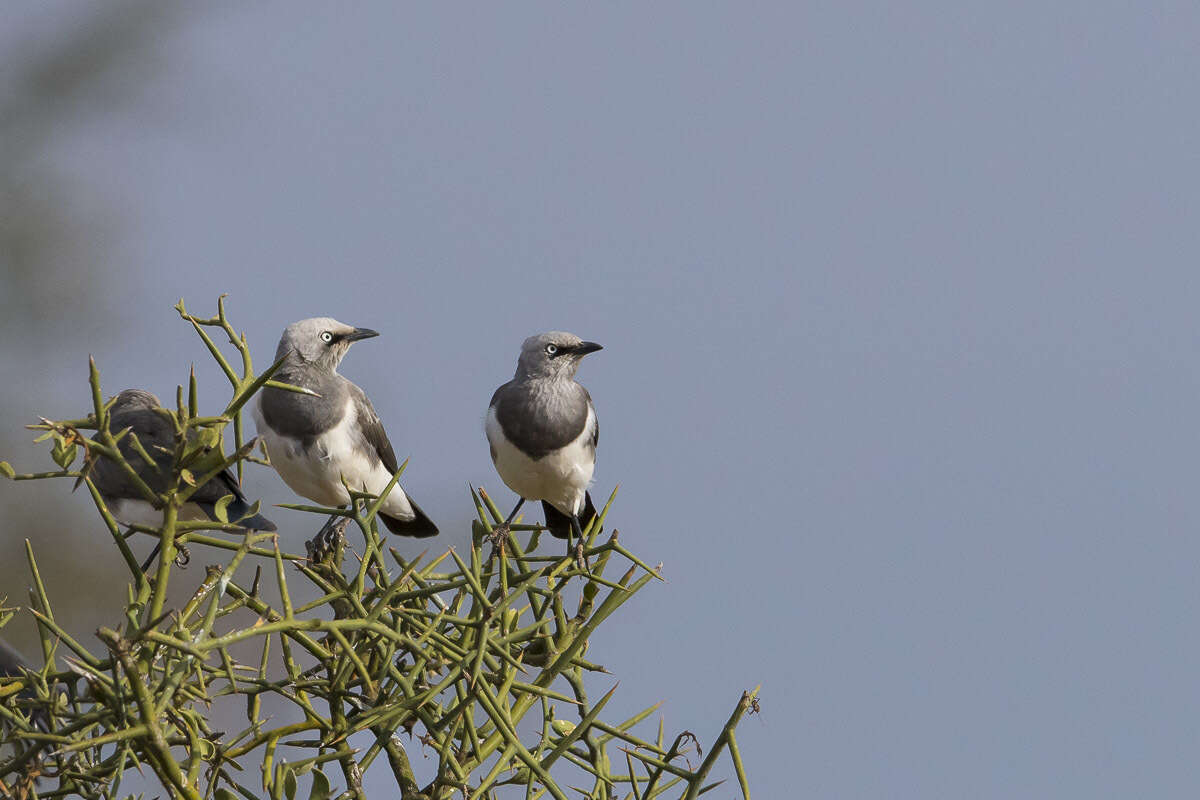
column 499, row 536
column 327, row 541
column 581, row 557
column 182, row 557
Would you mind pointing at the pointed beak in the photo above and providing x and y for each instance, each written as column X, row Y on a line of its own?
column 361, row 333
column 583, row 348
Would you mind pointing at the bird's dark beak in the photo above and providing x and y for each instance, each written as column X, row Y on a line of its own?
column 583, row 348
column 361, row 333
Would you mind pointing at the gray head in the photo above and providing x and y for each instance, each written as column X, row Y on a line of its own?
column 320, row 341
column 555, row 354
column 132, row 399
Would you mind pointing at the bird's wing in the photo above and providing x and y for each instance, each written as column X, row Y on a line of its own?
column 223, row 484
column 372, row 430
column 496, row 394
column 487, row 430
column 595, row 420
column 230, row 483
column 157, row 439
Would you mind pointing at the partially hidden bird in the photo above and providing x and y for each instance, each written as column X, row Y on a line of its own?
column 140, row 412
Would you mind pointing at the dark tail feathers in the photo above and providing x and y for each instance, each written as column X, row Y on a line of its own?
column 559, row 523
column 257, row 523
column 419, row 526
column 236, row 512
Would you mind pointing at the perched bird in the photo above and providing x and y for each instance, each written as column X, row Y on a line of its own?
column 542, row 430
column 317, row 442
column 141, row 413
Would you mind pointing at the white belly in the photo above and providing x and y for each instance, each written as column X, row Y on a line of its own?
column 560, row 478
column 317, row 472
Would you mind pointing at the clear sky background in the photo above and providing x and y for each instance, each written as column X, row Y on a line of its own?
column 899, row 313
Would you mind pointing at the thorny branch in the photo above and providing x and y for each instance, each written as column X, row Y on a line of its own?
column 475, row 657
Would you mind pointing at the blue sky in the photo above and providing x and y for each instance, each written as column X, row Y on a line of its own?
column 898, row 306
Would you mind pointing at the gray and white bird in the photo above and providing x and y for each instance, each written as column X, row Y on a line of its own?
column 542, row 430
column 141, row 412
column 316, row 443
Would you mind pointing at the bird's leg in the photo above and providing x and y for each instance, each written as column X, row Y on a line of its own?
column 499, row 533
column 578, row 551
column 181, row 558
column 331, row 530
column 150, row 558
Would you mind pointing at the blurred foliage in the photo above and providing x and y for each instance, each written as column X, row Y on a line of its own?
column 97, row 63
column 481, row 660
column 56, row 235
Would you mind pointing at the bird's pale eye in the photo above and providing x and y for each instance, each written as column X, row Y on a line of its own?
column 551, row 349
column 326, row 337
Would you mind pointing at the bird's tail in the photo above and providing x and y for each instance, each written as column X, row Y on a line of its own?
column 420, row 526
column 238, row 512
column 559, row 523
column 257, row 522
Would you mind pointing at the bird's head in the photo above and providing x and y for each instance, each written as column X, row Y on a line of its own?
column 553, row 355
column 320, row 341
column 132, row 399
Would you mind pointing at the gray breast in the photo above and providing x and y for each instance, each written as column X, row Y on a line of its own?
column 301, row 416
column 539, row 417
